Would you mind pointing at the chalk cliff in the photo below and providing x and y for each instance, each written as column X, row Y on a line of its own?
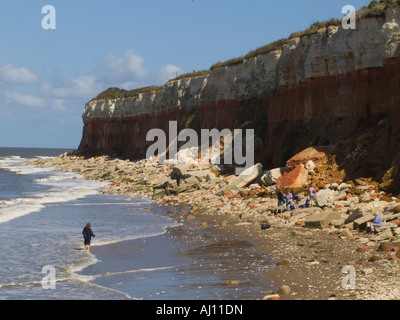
column 336, row 86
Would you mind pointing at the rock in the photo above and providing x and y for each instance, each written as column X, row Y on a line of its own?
column 190, row 217
column 309, row 211
column 272, row 297
column 265, row 226
column 230, row 282
column 282, row 263
column 346, row 233
column 386, row 246
column 361, row 223
column 203, row 225
column 310, row 165
column 296, row 178
column 361, row 211
column 367, row 271
column 158, row 181
column 374, row 258
column 344, row 186
column 159, row 194
column 337, row 222
column 181, row 169
column 270, row 177
column 315, row 154
column 210, row 176
column 243, row 180
column 387, row 234
column 321, row 220
column 324, row 197
column 284, row 290
column 188, row 185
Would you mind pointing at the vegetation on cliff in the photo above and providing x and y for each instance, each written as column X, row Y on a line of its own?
column 191, row 75
column 116, row 93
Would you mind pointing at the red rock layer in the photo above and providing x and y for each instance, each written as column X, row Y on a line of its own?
column 319, row 111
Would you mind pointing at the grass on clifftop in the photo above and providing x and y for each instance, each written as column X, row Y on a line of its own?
column 276, row 45
column 191, row 75
column 116, row 93
column 315, row 27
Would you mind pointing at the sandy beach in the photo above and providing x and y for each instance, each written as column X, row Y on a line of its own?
column 305, row 263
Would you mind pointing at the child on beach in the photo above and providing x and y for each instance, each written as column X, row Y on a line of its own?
column 312, row 194
column 297, row 200
column 281, row 202
column 87, row 236
column 289, row 199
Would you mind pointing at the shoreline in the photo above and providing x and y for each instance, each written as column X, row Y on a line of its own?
column 308, row 262
column 193, row 262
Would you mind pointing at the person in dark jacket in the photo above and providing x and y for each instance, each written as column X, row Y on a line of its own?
column 87, row 236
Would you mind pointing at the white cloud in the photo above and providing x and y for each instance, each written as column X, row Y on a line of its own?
column 169, row 72
column 11, row 75
column 58, row 105
column 127, row 68
column 82, row 87
column 26, row 100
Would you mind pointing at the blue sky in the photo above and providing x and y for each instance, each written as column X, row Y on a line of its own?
column 47, row 76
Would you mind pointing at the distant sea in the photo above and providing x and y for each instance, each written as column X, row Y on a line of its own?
column 138, row 252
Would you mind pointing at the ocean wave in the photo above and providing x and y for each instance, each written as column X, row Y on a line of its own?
column 63, row 187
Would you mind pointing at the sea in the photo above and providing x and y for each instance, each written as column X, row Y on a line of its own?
column 140, row 251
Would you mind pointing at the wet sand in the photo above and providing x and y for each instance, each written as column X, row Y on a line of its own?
column 236, row 261
column 185, row 263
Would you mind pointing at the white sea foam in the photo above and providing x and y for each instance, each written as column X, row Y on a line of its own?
column 105, row 242
column 17, row 165
column 63, row 187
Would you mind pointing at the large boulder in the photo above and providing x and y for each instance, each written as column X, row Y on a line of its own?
column 296, row 178
column 243, row 180
column 188, row 185
column 361, row 211
column 361, row 223
column 271, row 176
column 315, row 154
column 324, row 197
column 321, row 220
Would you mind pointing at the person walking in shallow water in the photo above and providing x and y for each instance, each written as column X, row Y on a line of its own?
column 87, row 236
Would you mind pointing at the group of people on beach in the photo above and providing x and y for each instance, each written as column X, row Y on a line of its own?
column 291, row 202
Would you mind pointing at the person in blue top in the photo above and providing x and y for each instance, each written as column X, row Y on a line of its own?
column 376, row 223
column 289, row 199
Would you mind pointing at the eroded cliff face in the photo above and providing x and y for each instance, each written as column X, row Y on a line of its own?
column 332, row 87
